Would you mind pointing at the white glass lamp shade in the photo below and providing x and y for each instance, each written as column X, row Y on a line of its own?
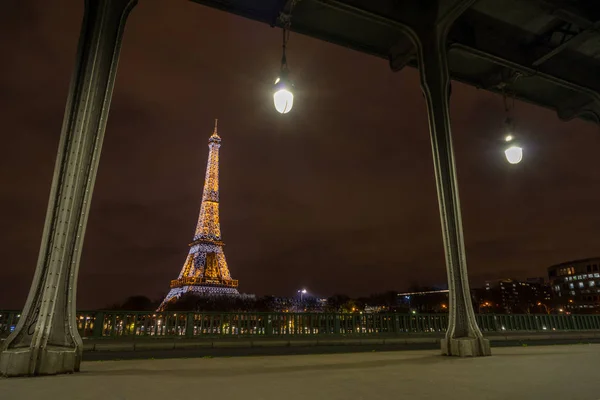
column 514, row 154
column 283, row 98
column 284, row 101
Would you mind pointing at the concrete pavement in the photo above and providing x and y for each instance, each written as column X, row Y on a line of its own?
column 541, row 372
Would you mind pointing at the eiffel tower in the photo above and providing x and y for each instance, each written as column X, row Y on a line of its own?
column 205, row 270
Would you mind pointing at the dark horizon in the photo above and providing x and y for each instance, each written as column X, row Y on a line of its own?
column 337, row 196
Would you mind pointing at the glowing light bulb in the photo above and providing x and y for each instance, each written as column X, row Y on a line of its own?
column 284, row 100
column 514, row 154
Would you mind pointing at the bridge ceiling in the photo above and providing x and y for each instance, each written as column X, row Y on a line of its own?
column 546, row 52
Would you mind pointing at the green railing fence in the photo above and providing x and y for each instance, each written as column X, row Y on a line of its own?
column 109, row 324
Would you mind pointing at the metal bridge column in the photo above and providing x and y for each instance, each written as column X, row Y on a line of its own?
column 463, row 337
column 46, row 340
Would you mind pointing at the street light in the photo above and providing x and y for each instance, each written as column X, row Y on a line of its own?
column 514, row 152
column 302, row 293
column 283, row 98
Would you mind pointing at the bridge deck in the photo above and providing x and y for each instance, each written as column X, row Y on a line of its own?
column 545, row 372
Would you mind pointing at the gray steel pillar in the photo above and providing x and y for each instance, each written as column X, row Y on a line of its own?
column 463, row 337
column 46, row 340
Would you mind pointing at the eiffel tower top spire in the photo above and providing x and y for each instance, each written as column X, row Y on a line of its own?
column 208, row 227
column 215, row 136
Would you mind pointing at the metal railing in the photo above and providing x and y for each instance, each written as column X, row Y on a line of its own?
column 111, row 324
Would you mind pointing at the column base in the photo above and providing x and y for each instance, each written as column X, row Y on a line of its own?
column 466, row 347
column 53, row 360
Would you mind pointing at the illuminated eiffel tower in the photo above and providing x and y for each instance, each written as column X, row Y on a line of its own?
column 205, row 270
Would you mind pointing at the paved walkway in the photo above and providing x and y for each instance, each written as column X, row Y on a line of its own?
column 567, row 372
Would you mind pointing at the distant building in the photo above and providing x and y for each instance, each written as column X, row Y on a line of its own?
column 544, row 289
column 297, row 304
column 537, row 280
column 511, row 296
column 425, row 301
column 375, row 309
column 576, row 284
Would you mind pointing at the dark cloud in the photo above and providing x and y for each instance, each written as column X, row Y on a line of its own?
column 338, row 195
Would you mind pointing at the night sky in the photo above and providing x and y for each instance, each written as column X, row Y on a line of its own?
column 338, row 196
